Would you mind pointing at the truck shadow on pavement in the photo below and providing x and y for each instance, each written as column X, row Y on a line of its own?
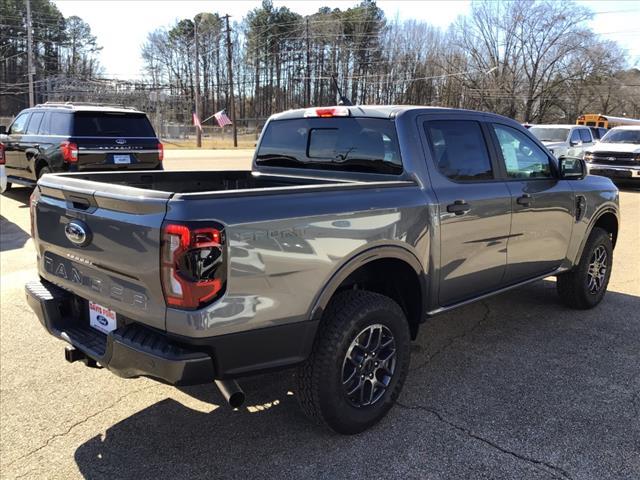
column 514, row 387
column 11, row 235
column 19, row 194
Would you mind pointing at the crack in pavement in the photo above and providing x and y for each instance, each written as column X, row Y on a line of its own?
column 453, row 339
column 537, row 464
column 78, row 423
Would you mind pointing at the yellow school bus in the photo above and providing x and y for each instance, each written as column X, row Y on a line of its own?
column 606, row 121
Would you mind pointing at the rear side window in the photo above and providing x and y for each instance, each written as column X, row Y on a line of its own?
column 19, row 125
column 112, row 124
column 34, row 123
column 585, row 136
column 347, row 144
column 459, row 149
column 56, row 123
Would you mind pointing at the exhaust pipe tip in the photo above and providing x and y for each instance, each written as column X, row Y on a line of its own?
column 231, row 392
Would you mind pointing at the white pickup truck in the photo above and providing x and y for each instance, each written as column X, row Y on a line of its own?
column 617, row 155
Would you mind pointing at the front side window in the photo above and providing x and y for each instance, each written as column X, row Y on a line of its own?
column 522, row 157
column 459, row 149
column 575, row 137
column 585, row 135
column 19, row 124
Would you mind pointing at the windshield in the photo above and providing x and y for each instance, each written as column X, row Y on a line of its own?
column 348, row 144
column 112, row 124
column 545, row 134
column 622, row 136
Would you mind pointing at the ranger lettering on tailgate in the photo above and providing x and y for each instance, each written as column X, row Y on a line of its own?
column 67, row 270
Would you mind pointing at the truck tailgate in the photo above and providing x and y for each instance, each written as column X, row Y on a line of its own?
column 116, row 265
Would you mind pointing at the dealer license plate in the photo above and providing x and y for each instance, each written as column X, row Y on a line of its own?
column 102, row 318
column 122, row 159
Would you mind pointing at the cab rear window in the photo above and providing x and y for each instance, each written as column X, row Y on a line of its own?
column 347, row 144
column 111, row 124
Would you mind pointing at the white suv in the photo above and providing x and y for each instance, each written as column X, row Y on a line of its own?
column 617, row 155
column 569, row 140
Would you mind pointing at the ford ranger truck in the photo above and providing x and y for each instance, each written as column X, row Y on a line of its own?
column 355, row 225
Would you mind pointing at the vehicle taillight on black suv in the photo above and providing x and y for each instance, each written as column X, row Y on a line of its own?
column 193, row 264
column 69, row 152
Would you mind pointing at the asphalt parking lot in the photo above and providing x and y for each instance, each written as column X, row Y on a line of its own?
column 516, row 386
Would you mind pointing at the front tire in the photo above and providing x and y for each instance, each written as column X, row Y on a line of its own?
column 584, row 287
column 358, row 364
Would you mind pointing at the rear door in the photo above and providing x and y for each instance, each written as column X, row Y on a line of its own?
column 474, row 207
column 117, row 264
column 29, row 145
column 543, row 205
column 115, row 141
column 14, row 155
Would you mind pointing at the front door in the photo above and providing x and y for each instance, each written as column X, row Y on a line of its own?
column 474, row 208
column 543, row 206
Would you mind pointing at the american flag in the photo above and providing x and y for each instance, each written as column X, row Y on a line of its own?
column 222, row 118
column 196, row 121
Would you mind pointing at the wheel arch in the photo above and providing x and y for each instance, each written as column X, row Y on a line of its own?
column 390, row 270
column 607, row 218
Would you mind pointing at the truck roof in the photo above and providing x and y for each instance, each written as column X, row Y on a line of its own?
column 85, row 107
column 373, row 111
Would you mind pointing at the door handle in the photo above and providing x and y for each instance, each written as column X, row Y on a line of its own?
column 458, row 207
column 525, row 199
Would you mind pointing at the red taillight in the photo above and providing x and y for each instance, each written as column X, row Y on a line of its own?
column 2, row 159
column 69, row 152
column 160, row 152
column 327, row 112
column 193, row 267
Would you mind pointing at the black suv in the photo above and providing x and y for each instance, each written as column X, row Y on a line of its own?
column 67, row 137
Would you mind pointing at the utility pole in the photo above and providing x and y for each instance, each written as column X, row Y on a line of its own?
column 30, row 53
column 231, row 95
column 307, row 87
column 197, row 93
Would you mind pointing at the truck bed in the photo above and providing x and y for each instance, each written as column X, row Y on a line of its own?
column 194, row 182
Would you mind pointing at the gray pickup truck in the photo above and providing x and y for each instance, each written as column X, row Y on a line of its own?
column 355, row 225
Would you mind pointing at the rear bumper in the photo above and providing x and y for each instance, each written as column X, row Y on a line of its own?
column 129, row 351
column 134, row 350
column 614, row 171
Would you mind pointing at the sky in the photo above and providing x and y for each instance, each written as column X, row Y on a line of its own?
column 122, row 26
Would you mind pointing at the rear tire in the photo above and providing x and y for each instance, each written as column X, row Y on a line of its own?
column 584, row 286
column 362, row 347
column 43, row 171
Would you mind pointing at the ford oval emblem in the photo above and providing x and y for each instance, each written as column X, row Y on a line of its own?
column 77, row 232
column 120, row 141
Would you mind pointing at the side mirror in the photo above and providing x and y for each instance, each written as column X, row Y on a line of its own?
column 575, row 143
column 3, row 130
column 572, row 168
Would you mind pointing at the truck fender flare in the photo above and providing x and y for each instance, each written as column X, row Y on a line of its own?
column 594, row 219
column 357, row 261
